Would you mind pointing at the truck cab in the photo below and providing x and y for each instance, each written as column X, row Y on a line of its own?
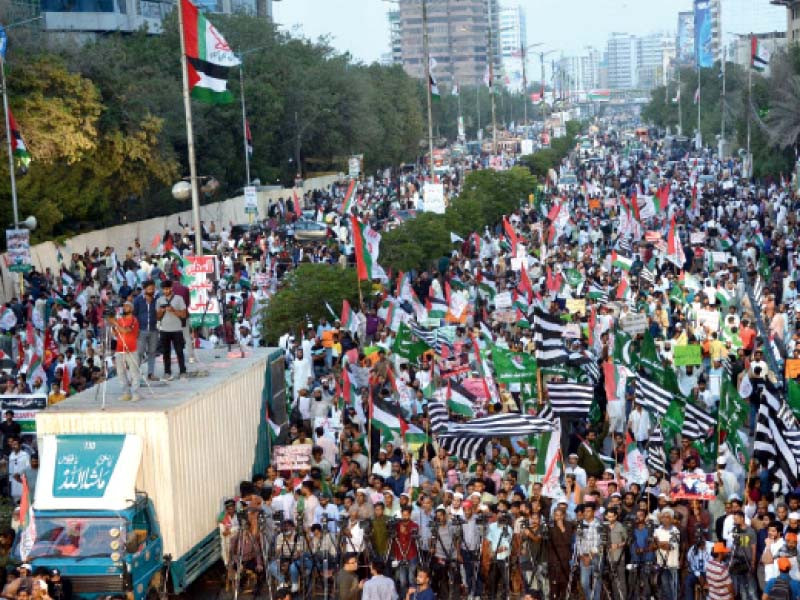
column 89, row 522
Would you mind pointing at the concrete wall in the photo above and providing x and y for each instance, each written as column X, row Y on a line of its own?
column 122, row 236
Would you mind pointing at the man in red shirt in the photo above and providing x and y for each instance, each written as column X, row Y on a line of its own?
column 748, row 336
column 404, row 552
column 126, row 358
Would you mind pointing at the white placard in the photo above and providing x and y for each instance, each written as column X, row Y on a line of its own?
column 502, row 300
column 250, row 200
column 433, row 198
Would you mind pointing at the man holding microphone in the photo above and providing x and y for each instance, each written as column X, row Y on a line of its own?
column 126, row 357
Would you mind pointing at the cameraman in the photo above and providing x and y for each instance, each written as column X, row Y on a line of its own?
column 470, row 549
column 743, row 558
column 404, row 551
column 617, row 540
column 588, row 542
column 642, row 556
column 533, row 557
column 445, row 554
column 696, row 560
column 668, row 538
column 126, row 358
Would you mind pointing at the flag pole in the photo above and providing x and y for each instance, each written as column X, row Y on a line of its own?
column 10, row 147
column 244, row 122
column 187, row 107
column 427, row 59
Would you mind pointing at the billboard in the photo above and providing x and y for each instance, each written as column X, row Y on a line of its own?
column 702, row 33
column 685, row 41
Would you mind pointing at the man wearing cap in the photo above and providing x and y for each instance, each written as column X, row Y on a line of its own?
column 126, row 357
column 782, row 581
column 171, row 312
column 573, row 468
column 718, row 579
column 668, row 539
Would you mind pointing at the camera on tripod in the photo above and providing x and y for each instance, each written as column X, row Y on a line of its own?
column 277, row 516
column 111, row 308
column 504, row 520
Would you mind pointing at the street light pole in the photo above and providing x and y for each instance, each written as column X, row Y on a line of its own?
column 427, row 59
column 491, row 78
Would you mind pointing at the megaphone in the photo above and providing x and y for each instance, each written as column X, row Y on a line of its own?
column 29, row 223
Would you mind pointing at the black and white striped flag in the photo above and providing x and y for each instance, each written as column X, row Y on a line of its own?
column 434, row 339
column 624, row 245
column 461, row 446
column 548, row 331
column 493, row 425
column 570, row 398
column 652, row 397
column 647, row 275
column 777, row 440
column 586, row 362
column 437, row 413
column 697, row 423
column 656, row 459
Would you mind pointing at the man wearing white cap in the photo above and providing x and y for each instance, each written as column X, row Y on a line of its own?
column 668, row 539
column 579, row 472
column 126, row 357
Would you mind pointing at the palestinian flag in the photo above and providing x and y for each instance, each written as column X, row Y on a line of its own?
column 386, row 419
column 208, row 57
column 435, row 95
column 248, row 138
column 759, row 54
column 724, row 296
column 18, row 147
column 364, row 262
column 487, row 284
column 436, row 306
column 28, row 525
column 620, row 261
column 415, row 437
column 348, row 318
column 274, row 430
column 460, row 401
column 347, row 203
column 35, row 369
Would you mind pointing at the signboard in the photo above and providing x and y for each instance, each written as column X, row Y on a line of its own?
column 261, row 280
column 250, row 200
column 84, row 464
column 792, row 368
column 433, row 198
column 693, row 486
column 634, row 323
column 526, row 147
column 204, row 310
column 354, row 166
column 293, row 458
column 25, row 407
column 697, row 238
column 502, row 300
column 691, row 354
column 703, row 39
column 577, row 305
column 18, row 244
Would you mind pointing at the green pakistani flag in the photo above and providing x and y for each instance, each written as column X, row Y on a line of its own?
column 407, row 348
column 732, row 409
column 513, row 367
column 793, row 396
column 676, row 294
column 672, row 423
column 623, row 348
column 763, row 266
column 648, row 357
column 574, row 277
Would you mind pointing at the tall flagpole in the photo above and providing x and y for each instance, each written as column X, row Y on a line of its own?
column 427, row 59
column 10, row 146
column 749, row 105
column 244, row 122
column 187, row 107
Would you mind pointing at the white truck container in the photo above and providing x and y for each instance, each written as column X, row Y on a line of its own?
column 198, row 439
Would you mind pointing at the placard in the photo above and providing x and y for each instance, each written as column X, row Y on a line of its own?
column 690, row 354
column 204, row 310
column 261, row 280
column 502, row 300
column 18, row 250
column 721, row 258
column 293, row 458
column 250, row 200
column 634, row 323
column 792, row 368
column 433, row 198
column 354, row 166
column 576, row 305
column 693, row 486
column 697, row 238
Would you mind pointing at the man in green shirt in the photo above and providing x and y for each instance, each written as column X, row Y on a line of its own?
column 380, row 531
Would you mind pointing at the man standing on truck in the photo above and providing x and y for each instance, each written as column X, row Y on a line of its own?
column 171, row 312
column 126, row 357
column 144, row 306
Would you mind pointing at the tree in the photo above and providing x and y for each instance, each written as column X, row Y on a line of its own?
column 304, row 294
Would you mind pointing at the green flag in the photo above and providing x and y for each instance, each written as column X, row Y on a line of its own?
column 672, row 423
column 648, row 357
column 513, row 367
column 623, row 348
column 574, row 277
column 676, row 294
column 763, row 266
column 793, row 396
column 733, row 411
column 405, row 347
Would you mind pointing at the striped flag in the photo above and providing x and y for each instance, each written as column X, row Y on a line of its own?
column 697, row 423
column 548, row 331
column 464, row 447
column 652, row 397
column 487, row 284
column 208, row 57
column 500, row 424
column 777, row 440
column 597, row 293
column 656, row 458
column 570, row 398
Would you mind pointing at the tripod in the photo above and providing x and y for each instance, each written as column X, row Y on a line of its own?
column 532, row 563
column 106, row 349
column 574, row 569
column 446, row 561
column 502, row 566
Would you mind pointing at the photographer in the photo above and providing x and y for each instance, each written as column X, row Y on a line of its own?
column 588, row 549
column 499, row 536
column 696, row 560
column 743, row 557
column 617, row 540
column 470, row 549
column 533, row 555
column 667, row 538
column 642, row 557
column 404, row 551
column 559, row 553
column 172, row 313
column 445, row 554
column 126, row 357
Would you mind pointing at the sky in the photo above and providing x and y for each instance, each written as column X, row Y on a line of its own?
column 361, row 28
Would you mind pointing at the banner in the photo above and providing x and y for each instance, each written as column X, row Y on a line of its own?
column 693, row 486
column 433, row 198
column 293, row 458
column 18, row 245
column 25, row 407
column 702, row 34
column 690, row 354
column 204, row 310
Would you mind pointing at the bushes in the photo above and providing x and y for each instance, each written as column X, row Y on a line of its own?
column 542, row 161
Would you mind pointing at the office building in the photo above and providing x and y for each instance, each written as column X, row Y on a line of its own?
column 655, row 54
column 87, row 18
column 791, row 22
column 458, row 39
column 512, row 42
column 580, row 74
column 622, row 61
column 395, row 38
column 684, row 41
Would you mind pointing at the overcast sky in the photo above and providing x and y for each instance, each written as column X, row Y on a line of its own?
column 360, row 26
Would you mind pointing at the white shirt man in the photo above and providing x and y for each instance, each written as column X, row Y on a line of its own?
column 18, row 462
column 667, row 534
column 579, row 472
column 639, row 424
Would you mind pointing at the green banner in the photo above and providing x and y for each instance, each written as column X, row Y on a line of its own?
column 690, row 354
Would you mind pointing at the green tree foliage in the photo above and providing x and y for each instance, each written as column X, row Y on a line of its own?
column 105, row 123
column 539, row 163
column 486, row 196
column 303, row 296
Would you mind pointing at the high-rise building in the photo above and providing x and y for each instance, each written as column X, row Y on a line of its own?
column 458, row 39
column 685, row 40
column 654, row 54
column 792, row 19
column 512, row 41
column 580, row 74
column 395, row 38
column 622, row 59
